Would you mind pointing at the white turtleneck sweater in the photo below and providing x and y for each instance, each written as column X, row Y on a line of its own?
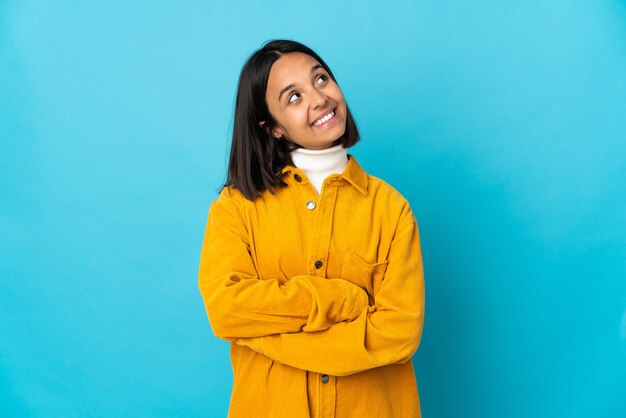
column 319, row 164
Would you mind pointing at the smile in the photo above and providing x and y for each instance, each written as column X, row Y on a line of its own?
column 325, row 119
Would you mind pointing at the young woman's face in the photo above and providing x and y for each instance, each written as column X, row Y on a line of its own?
column 300, row 93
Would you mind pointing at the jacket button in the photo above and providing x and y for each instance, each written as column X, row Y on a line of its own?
column 324, row 378
column 318, row 264
column 297, row 177
column 310, row 204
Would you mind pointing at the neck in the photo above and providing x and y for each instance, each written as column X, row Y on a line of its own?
column 319, row 164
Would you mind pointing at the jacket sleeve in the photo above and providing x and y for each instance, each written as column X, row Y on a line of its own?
column 240, row 304
column 386, row 333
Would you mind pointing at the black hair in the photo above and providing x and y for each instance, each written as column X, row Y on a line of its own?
column 256, row 158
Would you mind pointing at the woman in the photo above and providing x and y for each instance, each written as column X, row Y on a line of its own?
column 310, row 267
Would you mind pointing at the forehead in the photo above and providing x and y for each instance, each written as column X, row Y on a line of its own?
column 289, row 69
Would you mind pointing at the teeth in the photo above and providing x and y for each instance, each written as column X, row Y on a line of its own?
column 324, row 119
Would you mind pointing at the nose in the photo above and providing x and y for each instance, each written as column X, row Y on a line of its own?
column 318, row 99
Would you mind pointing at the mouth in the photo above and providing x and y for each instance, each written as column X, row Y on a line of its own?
column 326, row 120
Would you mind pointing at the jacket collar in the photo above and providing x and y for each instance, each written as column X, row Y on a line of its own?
column 353, row 173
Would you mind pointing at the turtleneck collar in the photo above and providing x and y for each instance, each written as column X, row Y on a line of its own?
column 319, row 164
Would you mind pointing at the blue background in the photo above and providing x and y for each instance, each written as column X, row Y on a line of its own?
column 503, row 123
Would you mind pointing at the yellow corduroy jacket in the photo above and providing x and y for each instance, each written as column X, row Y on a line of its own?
column 321, row 297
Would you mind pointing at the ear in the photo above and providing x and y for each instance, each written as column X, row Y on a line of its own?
column 276, row 133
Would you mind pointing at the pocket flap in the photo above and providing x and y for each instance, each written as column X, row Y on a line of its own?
column 367, row 275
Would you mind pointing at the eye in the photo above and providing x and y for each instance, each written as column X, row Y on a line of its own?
column 291, row 101
column 323, row 76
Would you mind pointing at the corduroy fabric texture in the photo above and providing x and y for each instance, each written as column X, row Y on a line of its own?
column 322, row 298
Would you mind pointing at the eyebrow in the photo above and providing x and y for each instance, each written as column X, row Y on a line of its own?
column 284, row 89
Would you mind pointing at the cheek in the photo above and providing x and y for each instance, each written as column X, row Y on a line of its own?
column 299, row 116
column 337, row 93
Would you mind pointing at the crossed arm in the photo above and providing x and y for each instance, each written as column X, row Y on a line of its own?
column 323, row 325
column 239, row 304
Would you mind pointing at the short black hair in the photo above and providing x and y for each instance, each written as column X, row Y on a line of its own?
column 256, row 158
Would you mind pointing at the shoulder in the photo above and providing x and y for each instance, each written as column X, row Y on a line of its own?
column 229, row 200
column 380, row 189
column 396, row 203
column 231, row 194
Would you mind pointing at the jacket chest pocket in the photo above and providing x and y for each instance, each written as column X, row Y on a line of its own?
column 366, row 275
